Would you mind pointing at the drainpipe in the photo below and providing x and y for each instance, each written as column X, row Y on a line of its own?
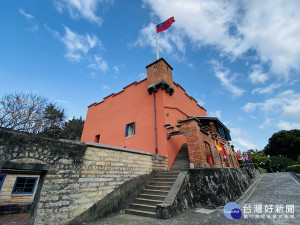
column 155, row 128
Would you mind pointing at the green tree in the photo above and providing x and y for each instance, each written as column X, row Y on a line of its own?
column 282, row 162
column 260, row 159
column 72, row 129
column 284, row 143
column 53, row 121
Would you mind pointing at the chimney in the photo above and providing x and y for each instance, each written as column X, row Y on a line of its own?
column 159, row 75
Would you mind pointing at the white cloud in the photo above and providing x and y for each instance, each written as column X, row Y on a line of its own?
column 200, row 102
column 238, row 132
column 257, row 76
column 62, row 101
column 168, row 42
column 246, row 144
column 240, row 139
column 223, row 74
column 250, row 107
column 272, row 29
column 266, row 123
column 292, row 106
column 53, row 32
column 285, row 104
column 268, row 28
column 142, row 76
column 266, row 90
column 78, row 45
column 34, row 27
column 285, row 125
column 27, row 15
column 86, row 9
column 105, row 87
column 216, row 114
column 116, row 69
column 98, row 64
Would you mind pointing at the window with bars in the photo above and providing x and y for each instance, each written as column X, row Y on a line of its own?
column 24, row 185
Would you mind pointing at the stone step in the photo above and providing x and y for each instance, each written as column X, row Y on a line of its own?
column 152, row 197
column 140, row 213
column 180, row 165
column 171, row 173
column 182, row 157
column 154, row 187
column 181, row 161
column 181, row 169
column 164, row 179
column 147, row 208
column 155, row 192
column 167, row 176
column 144, row 201
column 154, row 183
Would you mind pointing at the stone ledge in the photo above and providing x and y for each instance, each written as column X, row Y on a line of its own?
column 92, row 144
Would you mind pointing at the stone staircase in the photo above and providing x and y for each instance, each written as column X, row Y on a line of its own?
column 154, row 193
column 182, row 161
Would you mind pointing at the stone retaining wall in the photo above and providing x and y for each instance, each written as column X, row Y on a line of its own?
column 207, row 188
column 74, row 175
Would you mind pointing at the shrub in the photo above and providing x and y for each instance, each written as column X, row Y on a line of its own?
column 281, row 163
column 261, row 169
column 294, row 168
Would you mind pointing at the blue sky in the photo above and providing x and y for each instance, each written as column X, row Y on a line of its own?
column 239, row 59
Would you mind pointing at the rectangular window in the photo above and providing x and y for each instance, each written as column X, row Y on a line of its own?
column 227, row 136
column 24, row 185
column 97, row 138
column 2, row 177
column 130, row 129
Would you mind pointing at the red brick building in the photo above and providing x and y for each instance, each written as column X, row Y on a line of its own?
column 157, row 116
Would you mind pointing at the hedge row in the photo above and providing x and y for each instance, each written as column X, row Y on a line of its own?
column 293, row 168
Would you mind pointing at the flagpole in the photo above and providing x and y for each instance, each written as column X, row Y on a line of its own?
column 157, row 52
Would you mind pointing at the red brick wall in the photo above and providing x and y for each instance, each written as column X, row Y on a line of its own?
column 159, row 70
column 201, row 143
column 195, row 142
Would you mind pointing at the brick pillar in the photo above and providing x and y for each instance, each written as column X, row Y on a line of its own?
column 159, row 70
column 217, row 162
column 233, row 160
column 235, row 157
column 195, row 143
column 223, row 163
column 213, row 127
column 236, row 160
column 229, row 164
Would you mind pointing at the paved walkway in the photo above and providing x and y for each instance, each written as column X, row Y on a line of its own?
column 265, row 203
column 14, row 219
